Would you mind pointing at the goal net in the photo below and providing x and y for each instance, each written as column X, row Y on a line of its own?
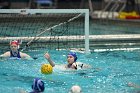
column 46, row 28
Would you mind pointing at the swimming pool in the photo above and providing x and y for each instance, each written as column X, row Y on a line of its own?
column 116, row 69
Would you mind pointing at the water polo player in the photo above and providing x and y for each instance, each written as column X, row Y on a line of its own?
column 72, row 61
column 38, row 86
column 14, row 51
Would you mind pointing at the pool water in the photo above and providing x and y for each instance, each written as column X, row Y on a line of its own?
column 110, row 72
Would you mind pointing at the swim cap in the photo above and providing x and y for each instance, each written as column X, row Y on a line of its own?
column 14, row 42
column 38, row 85
column 74, row 55
column 75, row 89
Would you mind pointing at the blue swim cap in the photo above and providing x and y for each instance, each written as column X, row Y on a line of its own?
column 38, row 85
column 74, row 55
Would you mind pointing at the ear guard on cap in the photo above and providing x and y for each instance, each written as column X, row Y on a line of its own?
column 75, row 59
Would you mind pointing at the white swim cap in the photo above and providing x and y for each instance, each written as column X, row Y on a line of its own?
column 75, row 89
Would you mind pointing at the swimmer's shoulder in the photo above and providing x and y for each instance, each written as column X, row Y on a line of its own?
column 6, row 54
column 82, row 65
column 60, row 66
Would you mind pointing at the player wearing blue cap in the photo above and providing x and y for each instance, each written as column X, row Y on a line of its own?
column 38, row 86
column 71, row 59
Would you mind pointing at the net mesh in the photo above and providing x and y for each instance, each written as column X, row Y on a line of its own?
column 43, row 30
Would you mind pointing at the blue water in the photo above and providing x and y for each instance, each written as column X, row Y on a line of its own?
column 110, row 72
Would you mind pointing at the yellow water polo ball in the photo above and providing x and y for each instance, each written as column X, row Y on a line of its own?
column 46, row 69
